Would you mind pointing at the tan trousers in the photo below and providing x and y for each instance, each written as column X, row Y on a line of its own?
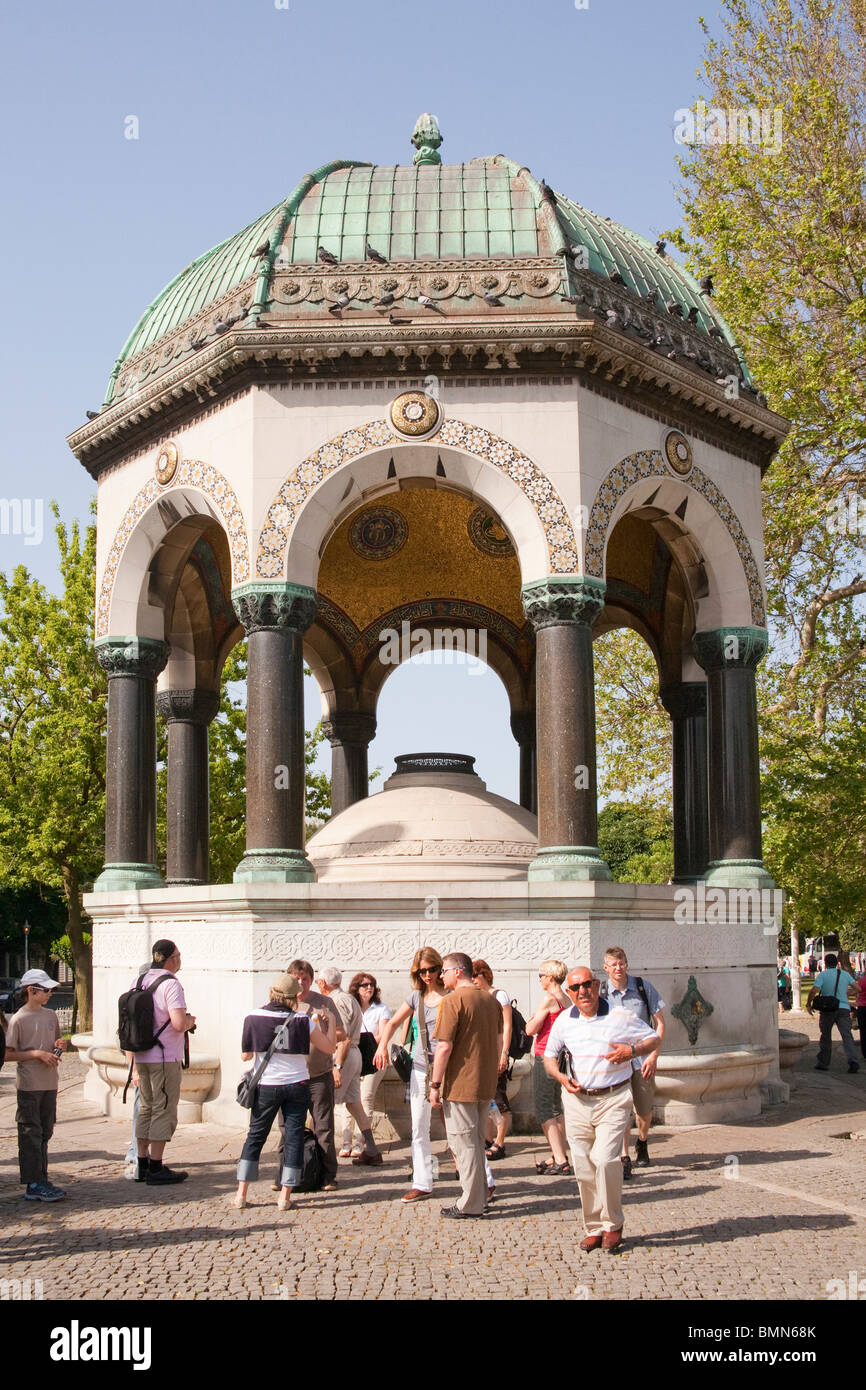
column 594, row 1127
column 465, row 1125
column 159, row 1093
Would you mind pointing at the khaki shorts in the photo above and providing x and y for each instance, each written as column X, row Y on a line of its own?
column 159, row 1093
column 643, row 1093
column 349, row 1090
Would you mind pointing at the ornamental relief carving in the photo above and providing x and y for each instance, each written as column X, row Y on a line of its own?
column 648, row 463
column 205, row 479
column 343, row 448
column 439, row 280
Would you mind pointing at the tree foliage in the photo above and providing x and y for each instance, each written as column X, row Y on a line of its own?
column 636, row 840
column 52, row 737
column 781, row 227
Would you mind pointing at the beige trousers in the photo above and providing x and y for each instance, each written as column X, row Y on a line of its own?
column 594, row 1127
column 465, row 1125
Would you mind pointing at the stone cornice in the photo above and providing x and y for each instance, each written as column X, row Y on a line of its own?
column 514, row 340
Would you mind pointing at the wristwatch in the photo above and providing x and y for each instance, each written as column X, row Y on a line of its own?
column 633, row 1049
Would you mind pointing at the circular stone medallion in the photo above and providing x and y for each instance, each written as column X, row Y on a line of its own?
column 488, row 535
column 415, row 414
column 678, row 452
column 166, row 464
column 378, row 534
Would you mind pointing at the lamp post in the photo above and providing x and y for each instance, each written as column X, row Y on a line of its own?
column 26, row 947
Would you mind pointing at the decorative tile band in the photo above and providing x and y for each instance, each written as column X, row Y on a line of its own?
column 343, row 448
column 649, row 463
column 190, row 473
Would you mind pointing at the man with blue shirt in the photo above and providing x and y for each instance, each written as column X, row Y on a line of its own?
column 833, row 983
column 633, row 992
column 590, row 1052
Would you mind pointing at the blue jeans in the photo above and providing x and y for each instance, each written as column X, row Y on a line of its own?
column 293, row 1101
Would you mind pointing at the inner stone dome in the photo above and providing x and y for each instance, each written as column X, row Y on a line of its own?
column 433, row 820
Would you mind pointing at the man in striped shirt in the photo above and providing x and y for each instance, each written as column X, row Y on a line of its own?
column 590, row 1053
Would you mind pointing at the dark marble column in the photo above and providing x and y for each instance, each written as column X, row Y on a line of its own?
column 562, row 611
column 730, row 655
column 349, row 734
column 132, row 665
column 274, row 616
column 686, row 703
column 523, row 729
column 187, row 714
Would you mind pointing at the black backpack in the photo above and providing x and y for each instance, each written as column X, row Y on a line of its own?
column 135, row 1022
column 521, row 1041
column 313, row 1166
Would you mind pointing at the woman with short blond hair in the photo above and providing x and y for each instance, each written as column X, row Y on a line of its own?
column 548, row 1095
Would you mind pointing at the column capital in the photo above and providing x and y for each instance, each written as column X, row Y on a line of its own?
column 140, row 658
column 523, row 726
column 187, row 706
column 562, row 599
column 268, row 605
column 349, row 726
column 730, row 648
column 685, row 700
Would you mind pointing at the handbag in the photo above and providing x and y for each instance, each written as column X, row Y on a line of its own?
column 367, row 1048
column 828, row 1003
column 248, row 1086
column 401, row 1054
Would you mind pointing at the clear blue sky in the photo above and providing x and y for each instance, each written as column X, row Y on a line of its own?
column 235, row 101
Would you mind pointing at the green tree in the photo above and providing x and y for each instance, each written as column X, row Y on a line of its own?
column 52, row 738
column 781, row 226
column 635, row 746
column 636, row 840
column 43, row 908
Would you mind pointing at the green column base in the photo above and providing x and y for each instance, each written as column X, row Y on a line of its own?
column 568, row 864
column 274, row 866
column 738, row 873
column 127, row 878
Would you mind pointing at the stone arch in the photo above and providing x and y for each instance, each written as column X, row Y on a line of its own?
column 529, row 483
column 149, row 517
column 730, row 534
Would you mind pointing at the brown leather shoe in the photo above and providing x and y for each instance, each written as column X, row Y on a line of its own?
column 372, row 1159
column 611, row 1240
column 591, row 1242
column 416, row 1195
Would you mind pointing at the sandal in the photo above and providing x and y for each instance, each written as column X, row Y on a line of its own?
column 495, row 1151
column 564, row 1170
column 541, row 1167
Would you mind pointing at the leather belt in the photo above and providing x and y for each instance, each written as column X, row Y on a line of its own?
column 603, row 1091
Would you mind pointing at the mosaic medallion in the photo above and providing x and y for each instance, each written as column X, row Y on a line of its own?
column 378, row 534
column 415, row 414
column 166, row 464
column 488, row 535
column 678, row 452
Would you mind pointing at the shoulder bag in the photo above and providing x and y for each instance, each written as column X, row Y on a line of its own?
column 828, row 1003
column 248, row 1086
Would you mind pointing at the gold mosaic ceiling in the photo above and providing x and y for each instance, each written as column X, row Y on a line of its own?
column 423, row 538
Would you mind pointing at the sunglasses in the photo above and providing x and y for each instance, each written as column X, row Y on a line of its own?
column 366, row 984
column 429, row 969
column 581, row 984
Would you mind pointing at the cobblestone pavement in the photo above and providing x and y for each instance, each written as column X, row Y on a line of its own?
column 769, row 1209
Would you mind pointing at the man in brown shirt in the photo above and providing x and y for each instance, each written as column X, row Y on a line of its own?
column 465, row 1072
column 34, row 1042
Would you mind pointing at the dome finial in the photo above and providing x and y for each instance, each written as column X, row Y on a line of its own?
column 426, row 137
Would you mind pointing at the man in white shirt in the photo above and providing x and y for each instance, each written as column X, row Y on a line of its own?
column 590, row 1053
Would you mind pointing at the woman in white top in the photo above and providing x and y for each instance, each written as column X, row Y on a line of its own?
column 283, row 1085
column 426, row 976
column 376, row 1014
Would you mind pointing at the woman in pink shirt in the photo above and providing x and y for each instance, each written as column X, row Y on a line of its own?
column 548, row 1095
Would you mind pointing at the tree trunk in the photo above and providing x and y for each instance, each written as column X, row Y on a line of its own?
column 81, row 952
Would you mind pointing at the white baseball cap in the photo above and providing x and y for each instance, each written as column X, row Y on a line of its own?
column 38, row 977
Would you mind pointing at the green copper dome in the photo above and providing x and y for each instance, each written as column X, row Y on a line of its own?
column 486, row 210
